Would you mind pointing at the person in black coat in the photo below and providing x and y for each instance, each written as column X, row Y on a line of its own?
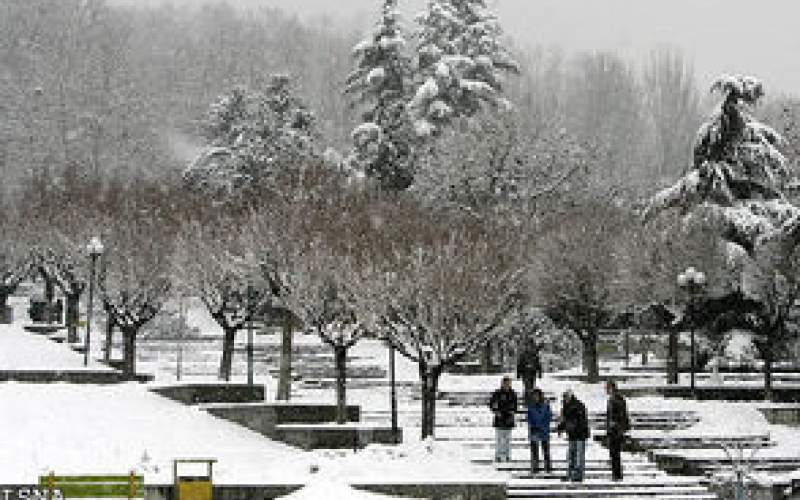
column 617, row 424
column 529, row 367
column 575, row 422
column 503, row 404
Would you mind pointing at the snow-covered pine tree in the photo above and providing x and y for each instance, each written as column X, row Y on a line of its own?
column 460, row 63
column 381, row 84
column 738, row 172
column 252, row 137
column 739, row 176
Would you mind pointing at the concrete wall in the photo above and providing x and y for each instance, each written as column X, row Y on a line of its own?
column 212, row 393
column 263, row 418
column 486, row 491
column 333, row 437
column 730, row 393
column 70, row 377
column 782, row 416
column 226, row 492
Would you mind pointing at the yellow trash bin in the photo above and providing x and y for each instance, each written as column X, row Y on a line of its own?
column 193, row 486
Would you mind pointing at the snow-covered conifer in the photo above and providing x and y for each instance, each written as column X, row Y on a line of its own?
column 380, row 85
column 738, row 170
column 461, row 62
column 252, row 136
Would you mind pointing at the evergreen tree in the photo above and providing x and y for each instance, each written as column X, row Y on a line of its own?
column 252, row 137
column 460, row 63
column 738, row 176
column 381, row 84
column 738, row 172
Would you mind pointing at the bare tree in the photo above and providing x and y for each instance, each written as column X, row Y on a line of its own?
column 134, row 279
column 577, row 274
column 673, row 102
column 442, row 299
column 208, row 258
column 318, row 293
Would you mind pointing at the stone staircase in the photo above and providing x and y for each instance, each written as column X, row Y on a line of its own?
column 642, row 478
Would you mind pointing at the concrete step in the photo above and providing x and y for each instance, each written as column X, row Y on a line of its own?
column 629, row 482
column 603, row 474
column 608, row 491
column 622, row 496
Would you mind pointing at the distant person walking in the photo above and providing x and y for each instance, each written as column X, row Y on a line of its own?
column 617, row 424
column 539, row 418
column 503, row 404
column 529, row 367
column 575, row 422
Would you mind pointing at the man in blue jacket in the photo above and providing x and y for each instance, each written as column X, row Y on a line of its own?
column 539, row 418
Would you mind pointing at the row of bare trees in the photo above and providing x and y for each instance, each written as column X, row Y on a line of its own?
column 436, row 283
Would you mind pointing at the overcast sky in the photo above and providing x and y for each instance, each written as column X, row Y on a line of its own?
column 736, row 36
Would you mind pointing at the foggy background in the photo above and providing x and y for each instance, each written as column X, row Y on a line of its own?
column 719, row 35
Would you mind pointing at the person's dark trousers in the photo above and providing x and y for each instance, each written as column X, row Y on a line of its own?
column 535, row 456
column 615, row 450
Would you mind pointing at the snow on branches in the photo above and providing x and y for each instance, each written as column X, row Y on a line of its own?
column 738, row 169
column 380, row 85
column 252, row 137
column 461, row 61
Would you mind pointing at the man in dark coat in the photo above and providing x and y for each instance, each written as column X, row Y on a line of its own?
column 503, row 404
column 617, row 424
column 575, row 422
column 529, row 367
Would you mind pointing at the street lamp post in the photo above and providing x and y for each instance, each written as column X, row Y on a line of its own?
column 692, row 281
column 95, row 249
column 394, row 392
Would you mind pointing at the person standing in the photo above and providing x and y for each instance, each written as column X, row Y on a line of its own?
column 529, row 367
column 575, row 422
column 503, row 404
column 617, row 424
column 539, row 418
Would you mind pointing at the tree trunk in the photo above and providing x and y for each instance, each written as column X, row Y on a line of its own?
column 672, row 357
column 590, row 358
column 486, row 359
column 227, row 354
column 49, row 289
column 5, row 311
column 340, row 354
column 645, row 344
column 109, row 337
column 768, row 371
column 129, row 354
column 430, row 383
column 285, row 372
column 72, row 316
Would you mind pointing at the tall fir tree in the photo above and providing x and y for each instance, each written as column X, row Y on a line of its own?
column 381, row 85
column 461, row 62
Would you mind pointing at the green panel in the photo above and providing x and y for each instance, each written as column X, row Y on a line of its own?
column 90, row 479
column 98, row 491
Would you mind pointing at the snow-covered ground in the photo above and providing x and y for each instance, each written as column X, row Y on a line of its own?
column 85, row 428
column 23, row 350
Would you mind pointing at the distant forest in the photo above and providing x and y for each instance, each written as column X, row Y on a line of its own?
column 119, row 91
